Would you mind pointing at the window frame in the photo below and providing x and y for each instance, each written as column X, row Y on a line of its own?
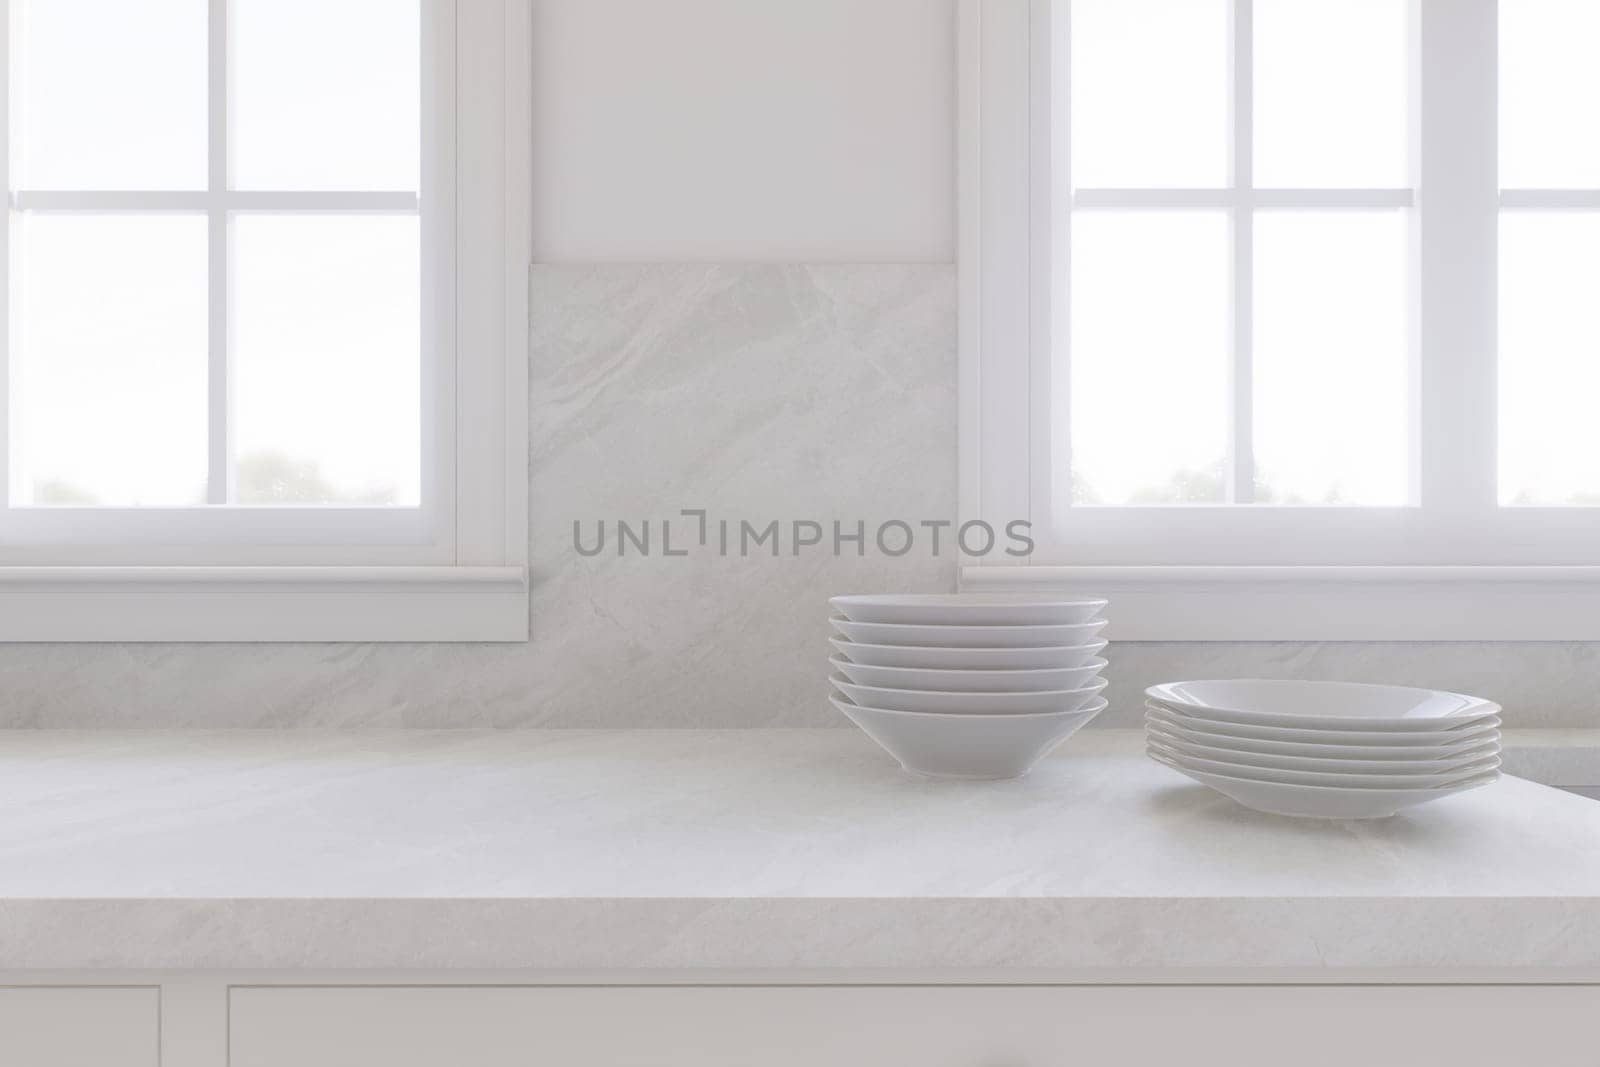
column 454, row 569
column 1454, row 565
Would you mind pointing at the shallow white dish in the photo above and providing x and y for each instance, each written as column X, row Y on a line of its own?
column 1327, row 705
column 1322, row 802
column 989, row 703
column 968, row 609
column 1336, row 765
column 944, row 681
column 968, row 746
column 1466, row 735
column 969, row 659
column 1347, row 781
column 892, row 633
column 1189, row 731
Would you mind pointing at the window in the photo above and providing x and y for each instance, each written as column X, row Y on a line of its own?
column 1549, row 254
column 259, row 269
column 1276, row 313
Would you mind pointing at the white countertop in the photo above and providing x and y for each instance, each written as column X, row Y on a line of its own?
column 743, row 849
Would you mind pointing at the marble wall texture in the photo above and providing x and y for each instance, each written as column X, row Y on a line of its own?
column 756, row 392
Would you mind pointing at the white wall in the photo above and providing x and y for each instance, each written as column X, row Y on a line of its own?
column 744, row 130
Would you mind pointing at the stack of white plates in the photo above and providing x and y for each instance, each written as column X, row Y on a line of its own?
column 1335, row 750
column 968, row 685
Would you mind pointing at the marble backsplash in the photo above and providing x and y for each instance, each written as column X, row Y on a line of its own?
column 755, row 392
column 758, row 392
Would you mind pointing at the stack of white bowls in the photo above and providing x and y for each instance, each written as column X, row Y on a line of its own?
column 968, row 685
column 1333, row 750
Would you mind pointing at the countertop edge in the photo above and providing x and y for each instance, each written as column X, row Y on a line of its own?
column 1080, row 934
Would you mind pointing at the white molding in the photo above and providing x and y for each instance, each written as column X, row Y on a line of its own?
column 8, row 398
column 1008, row 331
column 969, row 256
column 493, row 195
column 517, row 233
column 1458, row 284
column 1458, row 603
column 215, row 604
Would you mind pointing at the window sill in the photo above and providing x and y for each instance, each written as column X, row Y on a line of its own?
column 213, row 604
column 1555, row 603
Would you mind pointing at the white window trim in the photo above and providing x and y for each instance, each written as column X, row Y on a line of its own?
column 286, row 587
column 1458, row 568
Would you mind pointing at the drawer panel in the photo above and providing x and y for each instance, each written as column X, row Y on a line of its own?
column 80, row 1027
column 930, row 1026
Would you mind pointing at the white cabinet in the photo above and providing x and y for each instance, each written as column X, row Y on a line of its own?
column 929, row 1026
column 80, row 1027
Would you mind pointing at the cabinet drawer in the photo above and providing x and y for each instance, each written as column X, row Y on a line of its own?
column 930, row 1026
column 79, row 1027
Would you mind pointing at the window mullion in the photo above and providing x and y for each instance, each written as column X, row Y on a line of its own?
column 1241, row 467
column 220, row 376
column 1458, row 240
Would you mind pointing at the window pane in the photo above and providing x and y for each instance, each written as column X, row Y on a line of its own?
column 1150, row 357
column 111, row 368
column 1332, row 93
column 326, row 327
column 1549, row 358
column 1332, row 365
column 1150, row 93
column 326, row 94
column 113, row 94
column 1549, row 83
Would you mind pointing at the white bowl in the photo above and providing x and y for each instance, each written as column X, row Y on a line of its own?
column 968, row 609
column 968, row 746
column 968, row 659
column 943, row 681
column 1312, row 735
column 1350, row 781
column 1379, row 753
column 892, row 633
column 1328, row 705
column 989, row 703
column 1320, row 801
column 1336, row 765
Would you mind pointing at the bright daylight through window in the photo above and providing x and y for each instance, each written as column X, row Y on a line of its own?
column 1549, row 252
column 1240, row 253
column 1243, row 250
column 263, row 324
column 216, row 292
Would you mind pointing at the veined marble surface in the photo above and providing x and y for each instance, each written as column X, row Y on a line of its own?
column 746, row 848
column 756, row 392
